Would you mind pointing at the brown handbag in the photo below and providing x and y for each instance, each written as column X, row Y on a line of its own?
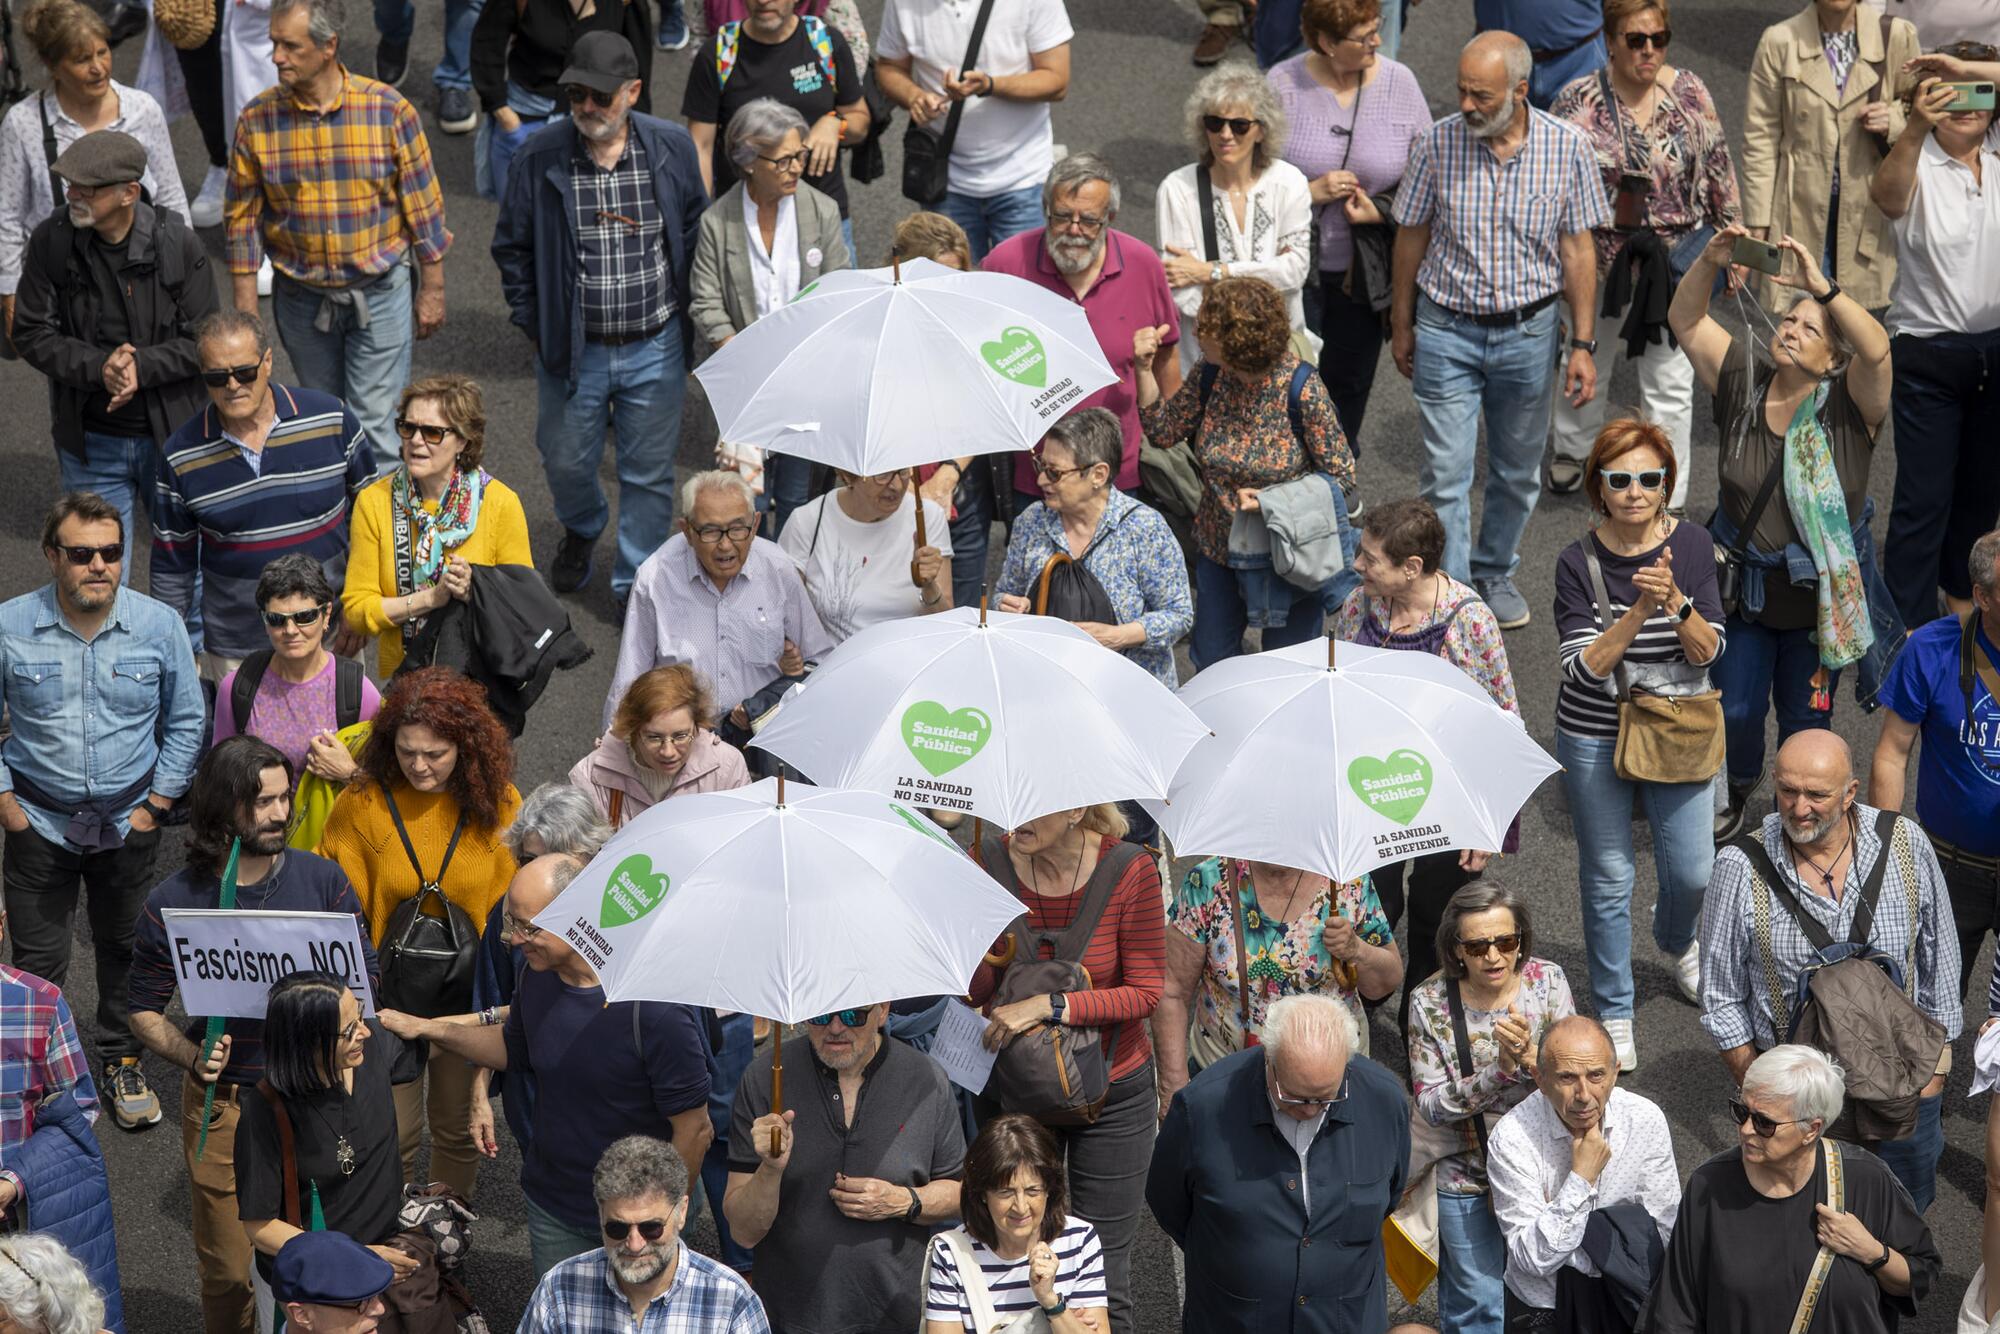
column 1661, row 738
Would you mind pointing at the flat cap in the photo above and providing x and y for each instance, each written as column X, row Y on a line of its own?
column 102, row 157
column 328, row 1269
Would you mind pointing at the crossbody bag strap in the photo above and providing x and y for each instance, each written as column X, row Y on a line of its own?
column 1760, row 861
column 1204, row 190
column 1462, row 1038
column 1619, row 679
column 288, row 1152
column 972, row 1280
column 57, row 189
column 425, row 884
column 1973, row 665
column 1836, row 1198
column 1761, row 502
column 1871, row 884
column 950, row 134
column 1074, row 942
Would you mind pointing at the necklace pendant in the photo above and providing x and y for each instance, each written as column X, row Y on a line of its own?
column 343, row 1155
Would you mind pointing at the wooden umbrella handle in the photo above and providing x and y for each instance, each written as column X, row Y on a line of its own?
column 917, row 496
column 777, row 1085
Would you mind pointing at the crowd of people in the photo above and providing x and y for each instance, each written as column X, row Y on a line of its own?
column 1585, row 182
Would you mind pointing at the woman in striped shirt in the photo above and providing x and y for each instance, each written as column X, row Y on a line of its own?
column 1664, row 621
column 1028, row 1252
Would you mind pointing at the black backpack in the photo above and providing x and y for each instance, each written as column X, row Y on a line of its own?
column 428, row 960
column 250, row 675
column 1068, row 591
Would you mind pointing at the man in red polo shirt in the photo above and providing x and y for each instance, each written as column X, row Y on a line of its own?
column 1119, row 281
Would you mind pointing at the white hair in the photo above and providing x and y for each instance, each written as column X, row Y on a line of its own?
column 716, row 479
column 1317, row 1024
column 1514, row 54
column 757, row 126
column 1806, row 1078
column 44, row 1290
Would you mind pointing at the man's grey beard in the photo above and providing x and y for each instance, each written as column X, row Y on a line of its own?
column 597, row 131
column 79, row 217
column 644, row 1267
column 1805, row 835
column 1063, row 254
column 1483, row 128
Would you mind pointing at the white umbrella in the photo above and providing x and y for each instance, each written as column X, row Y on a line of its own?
column 870, row 372
column 1002, row 716
column 1343, row 764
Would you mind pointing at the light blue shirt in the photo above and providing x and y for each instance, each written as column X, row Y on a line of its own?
column 84, row 711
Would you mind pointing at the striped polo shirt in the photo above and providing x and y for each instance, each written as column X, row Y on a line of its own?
column 217, row 512
column 1497, row 227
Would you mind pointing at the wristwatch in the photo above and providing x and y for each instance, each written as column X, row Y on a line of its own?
column 1832, row 291
column 1685, row 610
column 1057, row 1004
column 159, row 812
column 1584, row 345
column 916, row 1206
column 1879, row 1261
column 1215, row 273
column 1062, row 1305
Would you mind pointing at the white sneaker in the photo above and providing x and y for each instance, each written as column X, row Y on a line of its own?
column 206, row 210
column 1687, row 972
column 264, row 277
column 1621, row 1042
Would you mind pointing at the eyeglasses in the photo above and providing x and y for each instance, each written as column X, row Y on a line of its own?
column 1637, row 41
column 511, row 925
column 1238, row 125
column 680, row 740
column 1043, row 468
column 789, row 162
column 579, row 95
column 409, row 430
column 709, row 534
column 848, row 1018
column 1088, row 222
column 1650, row 480
column 1478, row 949
column 618, row 1229
column 305, row 620
column 1285, row 1099
column 111, row 553
column 1760, row 1125
column 222, row 375
column 347, row 1034
column 1373, row 37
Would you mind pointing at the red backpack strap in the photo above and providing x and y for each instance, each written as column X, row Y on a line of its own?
column 288, row 1153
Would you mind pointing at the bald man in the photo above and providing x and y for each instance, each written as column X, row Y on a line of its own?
column 1815, row 858
column 1578, row 1144
column 1495, row 216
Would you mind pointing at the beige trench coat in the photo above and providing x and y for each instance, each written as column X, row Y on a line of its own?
column 1795, row 124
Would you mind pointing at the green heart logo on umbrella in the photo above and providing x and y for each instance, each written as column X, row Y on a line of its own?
column 940, row 739
column 633, row 890
column 1017, row 354
column 1395, row 788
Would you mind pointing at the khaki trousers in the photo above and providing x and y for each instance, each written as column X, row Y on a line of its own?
column 444, row 1099
column 221, row 1248
column 1222, row 13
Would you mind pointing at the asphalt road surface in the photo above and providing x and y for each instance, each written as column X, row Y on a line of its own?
column 1132, row 73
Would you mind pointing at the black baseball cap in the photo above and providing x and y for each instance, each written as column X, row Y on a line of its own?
column 601, row 61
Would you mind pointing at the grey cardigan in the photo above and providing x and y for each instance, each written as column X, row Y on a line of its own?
column 724, row 299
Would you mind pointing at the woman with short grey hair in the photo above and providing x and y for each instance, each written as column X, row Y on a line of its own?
column 1789, row 1219
column 556, row 817
column 45, row 1290
column 768, row 237
column 1238, row 210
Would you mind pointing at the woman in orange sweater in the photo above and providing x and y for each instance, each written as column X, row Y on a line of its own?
column 430, row 804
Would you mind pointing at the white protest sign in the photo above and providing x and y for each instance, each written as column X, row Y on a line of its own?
column 226, row 960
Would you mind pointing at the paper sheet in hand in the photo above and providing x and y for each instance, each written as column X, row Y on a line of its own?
column 1986, row 1061
column 957, row 1047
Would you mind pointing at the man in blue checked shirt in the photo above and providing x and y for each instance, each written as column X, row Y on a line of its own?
column 1495, row 218
column 644, row 1275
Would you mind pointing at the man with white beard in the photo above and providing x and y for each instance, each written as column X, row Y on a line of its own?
column 1495, row 216
column 595, row 242
column 111, row 290
column 644, row 1276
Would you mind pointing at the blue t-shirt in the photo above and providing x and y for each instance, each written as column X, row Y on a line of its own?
column 592, row 1086
column 1958, row 772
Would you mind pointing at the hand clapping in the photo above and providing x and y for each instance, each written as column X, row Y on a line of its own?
column 1655, row 583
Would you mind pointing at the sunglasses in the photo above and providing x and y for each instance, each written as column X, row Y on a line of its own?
column 1055, row 475
column 1238, row 125
column 1650, row 480
column 433, row 435
column 112, row 553
column 579, row 95
column 1477, row 949
column 848, row 1018
column 1637, row 41
column 618, row 1229
column 305, row 620
column 222, row 375
column 1761, row 1125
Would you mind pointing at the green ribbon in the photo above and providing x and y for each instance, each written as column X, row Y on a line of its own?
column 226, row 902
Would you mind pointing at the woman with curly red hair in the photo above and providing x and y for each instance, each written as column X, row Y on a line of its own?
column 430, row 803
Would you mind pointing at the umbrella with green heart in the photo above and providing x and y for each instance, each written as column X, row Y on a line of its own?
column 633, row 890
column 941, row 739
column 1017, row 354
column 1395, row 787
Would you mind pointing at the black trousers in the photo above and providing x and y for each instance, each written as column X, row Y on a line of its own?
column 1432, row 879
column 1974, row 887
column 41, row 881
column 201, row 70
column 1351, row 334
column 1946, row 396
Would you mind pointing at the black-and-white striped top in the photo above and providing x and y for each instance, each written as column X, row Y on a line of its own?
column 1079, row 1277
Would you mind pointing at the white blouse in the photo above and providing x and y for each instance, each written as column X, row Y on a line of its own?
column 1275, row 244
column 774, row 273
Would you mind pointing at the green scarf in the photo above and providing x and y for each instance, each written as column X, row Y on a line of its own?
column 1818, row 503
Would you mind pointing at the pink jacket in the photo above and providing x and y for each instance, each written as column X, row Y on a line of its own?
column 715, row 766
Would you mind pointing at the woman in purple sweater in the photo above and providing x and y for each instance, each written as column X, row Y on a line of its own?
column 1352, row 117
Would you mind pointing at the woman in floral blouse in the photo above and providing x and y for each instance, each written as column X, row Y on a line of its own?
column 1236, row 413
column 1657, row 125
column 1300, row 932
column 1508, row 999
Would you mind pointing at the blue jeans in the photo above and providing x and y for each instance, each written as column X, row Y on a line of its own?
column 1463, row 369
column 1472, row 1266
column 121, row 469
column 787, row 487
column 1392, row 26
column 396, row 21
column 1761, row 667
column 1220, row 616
column 971, row 533
column 1550, row 76
column 1600, row 809
column 726, row 1067
column 552, row 1241
column 364, row 368
column 637, row 388
column 501, row 146
column 1914, row 1160
column 990, row 219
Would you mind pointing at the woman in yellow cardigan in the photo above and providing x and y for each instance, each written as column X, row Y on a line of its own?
column 457, row 517
column 437, row 759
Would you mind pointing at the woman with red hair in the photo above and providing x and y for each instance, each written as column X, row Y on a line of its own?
column 429, row 806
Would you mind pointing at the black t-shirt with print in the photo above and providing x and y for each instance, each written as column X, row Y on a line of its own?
column 790, row 71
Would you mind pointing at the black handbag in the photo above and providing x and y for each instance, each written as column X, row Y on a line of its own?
column 865, row 161
column 428, row 959
column 927, row 152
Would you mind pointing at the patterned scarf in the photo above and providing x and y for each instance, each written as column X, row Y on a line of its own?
column 434, row 535
column 1819, row 509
